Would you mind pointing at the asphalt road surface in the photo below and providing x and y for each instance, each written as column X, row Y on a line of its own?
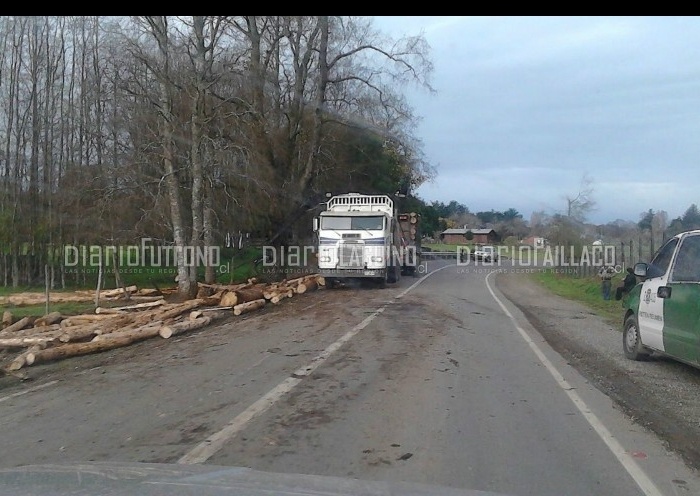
column 435, row 380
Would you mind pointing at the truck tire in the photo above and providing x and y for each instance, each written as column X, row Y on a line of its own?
column 393, row 274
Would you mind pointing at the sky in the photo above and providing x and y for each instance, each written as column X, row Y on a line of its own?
column 525, row 107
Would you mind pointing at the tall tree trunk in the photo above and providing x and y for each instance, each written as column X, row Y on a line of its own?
column 198, row 116
column 317, row 130
column 159, row 29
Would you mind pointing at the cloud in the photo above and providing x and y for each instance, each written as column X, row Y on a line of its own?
column 526, row 105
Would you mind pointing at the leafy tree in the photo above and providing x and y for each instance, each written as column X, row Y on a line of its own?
column 676, row 226
column 511, row 214
column 691, row 218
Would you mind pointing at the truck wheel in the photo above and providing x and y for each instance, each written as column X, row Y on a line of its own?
column 393, row 274
column 632, row 341
column 330, row 283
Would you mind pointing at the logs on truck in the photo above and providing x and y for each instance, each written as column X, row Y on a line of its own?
column 55, row 336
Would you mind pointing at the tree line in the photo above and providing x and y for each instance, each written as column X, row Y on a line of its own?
column 185, row 128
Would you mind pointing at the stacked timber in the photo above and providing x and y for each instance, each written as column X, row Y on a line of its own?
column 131, row 293
column 55, row 336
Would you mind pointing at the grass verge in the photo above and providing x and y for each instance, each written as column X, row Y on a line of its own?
column 70, row 308
column 586, row 290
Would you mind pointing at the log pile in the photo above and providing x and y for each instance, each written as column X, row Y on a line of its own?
column 55, row 336
column 131, row 293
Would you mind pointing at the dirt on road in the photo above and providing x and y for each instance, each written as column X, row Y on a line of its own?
column 658, row 394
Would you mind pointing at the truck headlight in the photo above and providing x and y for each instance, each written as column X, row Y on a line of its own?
column 324, row 259
column 377, row 259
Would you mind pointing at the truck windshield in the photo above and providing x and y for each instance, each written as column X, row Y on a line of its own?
column 369, row 223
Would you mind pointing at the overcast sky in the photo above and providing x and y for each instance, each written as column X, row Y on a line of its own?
column 525, row 106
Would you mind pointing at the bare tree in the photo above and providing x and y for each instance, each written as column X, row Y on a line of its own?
column 581, row 203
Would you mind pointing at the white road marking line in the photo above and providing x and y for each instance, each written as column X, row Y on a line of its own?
column 30, row 390
column 640, row 477
column 214, row 443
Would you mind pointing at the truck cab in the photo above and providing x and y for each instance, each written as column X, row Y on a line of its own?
column 357, row 239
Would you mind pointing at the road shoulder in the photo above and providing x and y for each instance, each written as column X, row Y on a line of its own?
column 659, row 394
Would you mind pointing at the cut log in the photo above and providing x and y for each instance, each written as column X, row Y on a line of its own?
column 216, row 313
column 106, row 310
column 294, row 282
column 276, row 291
column 120, row 322
column 228, row 299
column 276, row 299
column 250, row 294
column 248, row 306
column 194, row 315
column 19, row 325
column 225, row 287
column 76, row 320
column 308, row 285
column 21, row 360
column 177, row 310
column 7, row 318
column 149, row 304
column 31, row 331
column 149, row 292
column 188, row 325
column 141, row 299
column 205, row 291
column 50, row 318
column 211, row 301
column 116, row 293
column 147, row 331
column 76, row 349
column 6, row 343
column 79, row 333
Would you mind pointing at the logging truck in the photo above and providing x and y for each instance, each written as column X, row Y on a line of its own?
column 360, row 237
column 411, row 243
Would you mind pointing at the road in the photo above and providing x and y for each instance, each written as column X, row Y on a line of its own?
column 435, row 380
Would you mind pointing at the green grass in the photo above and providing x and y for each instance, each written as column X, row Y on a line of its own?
column 70, row 308
column 441, row 246
column 586, row 290
column 233, row 269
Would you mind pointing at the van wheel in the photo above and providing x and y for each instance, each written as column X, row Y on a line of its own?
column 631, row 340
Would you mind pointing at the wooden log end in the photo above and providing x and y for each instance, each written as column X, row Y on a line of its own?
column 248, row 306
column 29, row 358
column 16, row 365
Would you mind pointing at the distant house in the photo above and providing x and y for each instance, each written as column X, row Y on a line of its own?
column 484, row 236
column 458, row 236
column 535, row 241
column 454, row 236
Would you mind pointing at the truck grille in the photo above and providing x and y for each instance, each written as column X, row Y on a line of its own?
column 351, row 256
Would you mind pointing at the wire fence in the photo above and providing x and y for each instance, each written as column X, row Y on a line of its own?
column 622, row 255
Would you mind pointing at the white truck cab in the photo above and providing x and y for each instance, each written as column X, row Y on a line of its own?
column 358, row 237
